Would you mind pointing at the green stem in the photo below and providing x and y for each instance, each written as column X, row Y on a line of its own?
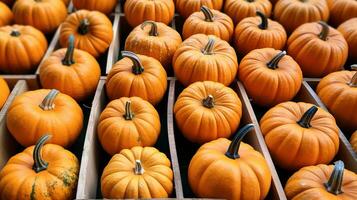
column 325, row 31
column 208, row 14
column 208, row 102
column 273, row 64
column 39, row 164
column 153, row 30
column 137, row 66
column 68, row 58
column 233, row 148
column 353, row 82
column 307, row 117
column 334, row 183
column 15, row 33
column 84, row 26
column 264, row 24
column 129, row 115
column 138, row 170
column 48, row 101
column 208, row 50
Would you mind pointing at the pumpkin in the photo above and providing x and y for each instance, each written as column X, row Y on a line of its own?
column 40, row 172
column 322, row 182
column 353, row 141
column 258, row 32
column 137, row 173
column 229, row 170
column 93, row 31
column 349, row 31
column 209, row 22
column 73, row 72
column 137, row 75
column 186, row 7
column 128, row 122
column 240, row 9
column 4, row 92
column 17, row 60
column 342, row 10
column 25, row 11
column 6, row 16
column 35, row 113
column 205, row 58
column 154, row 39
column 105, row 7
column 292, row 13
column 137, row 12
column 318, row 48
column 205, row 111
column 299, row 135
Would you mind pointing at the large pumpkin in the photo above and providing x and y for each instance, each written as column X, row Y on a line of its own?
column 353, row 141
column 154, row 39
column 4, row 92
column 35, row 113
column 45, row 15
column 186, row 7
column 6, row 16
column 349, row 32
column 93, row 31
column 71, row 71
column 342, row 10
column 137, row 75
column 137, row 173
column 105, row 7
column 205, row 58
column 205, row 111
column 322, row 182
column 300, row 134
column 17, row 60
column 318, row 48
column 230, row 170
column 270, row 76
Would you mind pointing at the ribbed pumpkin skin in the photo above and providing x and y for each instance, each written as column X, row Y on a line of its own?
column 119, row 180
column 6, row 16
column 17, row 60
column 353, row 141
column 342, row 10
column 186, row 7
column 105, row 7
column 291, row 144
column 4, row 92
column 349, row 32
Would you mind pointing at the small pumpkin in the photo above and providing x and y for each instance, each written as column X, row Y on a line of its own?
column 205, row 111
column 137, row 75
column 299, row 135
column 186, row 7
column 17, row 60
column 137, row 12
column 128, row 122
column 353, row 141
column 342, row 10
column 105, row 7
column 34, row 113
column 349, row 31
column 137, row 173
column 154, row 39
column 6, row 16
column 72, row 71
column 318, row 48
column 258, row 32
column 209, row 22
column 4, row 92
column 93, row 31
column 205, row 58
column 230, row 170
column 322, row 182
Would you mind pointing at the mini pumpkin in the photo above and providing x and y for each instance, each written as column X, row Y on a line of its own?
column 205, row 111
column 186, row 7
column 219, row 168
column 353, row 141
column 22, row 60
column 6, row 16
column 154, row 39
column 93, row 31
column 349, row 31
column 342, row 10
column 105, row 7
column 4, row 92
column 318, row 48
column 137, row 75
column 299, row 135
column 35, row 113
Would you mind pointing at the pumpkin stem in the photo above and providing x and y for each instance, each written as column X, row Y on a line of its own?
column 250, row 1
column 138, row 170
column 264, row 24
column 39, row 164
column 84, row 26
column 273, row 64
column 209, row 46
column 334, row 183
column 129, row 115
column 48, row 101
column 68, row 58
column 307, row 117
column 208, row 102
column 208, row 14
column 137, row 68
column 15, row 33
column 233, row 148
column 153, row 30
column 353, row 82
column 325, row 30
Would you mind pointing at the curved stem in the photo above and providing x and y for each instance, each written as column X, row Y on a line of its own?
column 129, row 115
column 39, row 164
column 264, row 24
column 48, row 101
column 233, row 148
column 15, row 33
column 137, row 66
column 68, row 58
column 334, row 183
column 273, row 64
column 84, row 26
column 209, row 47
column 307, row 117
column 325, row 30
column 208, row 102
column 208, row 14
column 138, row 170
column 153, row 30
column 353, row 82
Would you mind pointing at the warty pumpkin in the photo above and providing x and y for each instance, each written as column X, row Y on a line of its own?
column 270, row 76
column 322, row 182
column 137, row 75
column 35, row 113
column 16, row 60
column 105, row 7
column 353, row 141
column 71, row 71
column 318, row 48
column 93, row 31
column 229, row 170
column 342, row 10
column 4, row 92
column 6, row 16
column 349, row 31
column 154, row 39
column 205, row 111
column 186, row 7
column 299, row 135
column 137, row 173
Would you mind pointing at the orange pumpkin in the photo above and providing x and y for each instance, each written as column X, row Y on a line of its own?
column 137, row 12
column 35, row 113
column 258, row 32
column 154, row 39
column 349, row 31
column 202, row 110
column 17, row 60
column 186, row 7
column 6, row 16
column 318, row 48
column 205, row 58
column 291, row 130
column 322, row 182
column 73, row 72
column 93, row 31
column 230, row 170
column 4, row 92
column 342, row 10
column 105, row 7
column 128, row 122
column 137, row 75
column 353, row 141
column 270, row 76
